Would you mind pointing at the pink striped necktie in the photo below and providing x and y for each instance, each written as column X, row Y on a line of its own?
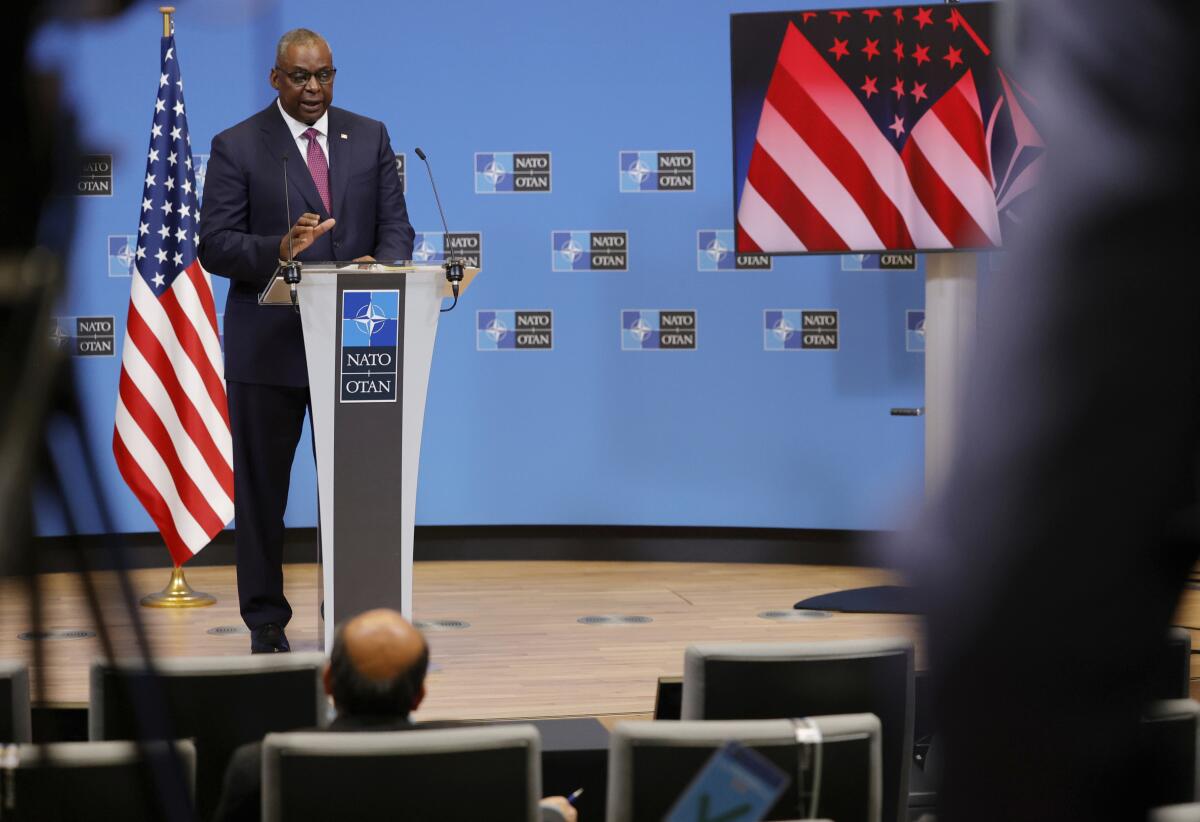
column 318, row 167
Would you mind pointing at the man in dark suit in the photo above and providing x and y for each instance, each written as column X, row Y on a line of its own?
column 341, row 174
column 376, row 677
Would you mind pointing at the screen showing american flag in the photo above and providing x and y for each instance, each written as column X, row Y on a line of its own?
column 171, row 437
column 877, row 129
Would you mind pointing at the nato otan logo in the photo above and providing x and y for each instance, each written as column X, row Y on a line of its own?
column 781, row 329
column 796, row 329
column 370, row 347
column 122, row 249
column 512, row 172
column 401, row 168
column 513, row 330
column 589, row 250
column 95, row 176
column 914, row 330
column 84, row 336
column 657, row 329
column 714, row 252
column 642, row 171
column 887, row 261
column 438, row 246
column 200, row 168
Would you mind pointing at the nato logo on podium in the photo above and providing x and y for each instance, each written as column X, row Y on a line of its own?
column 370, row 346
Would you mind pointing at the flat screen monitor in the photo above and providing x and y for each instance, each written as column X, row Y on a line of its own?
column 877, row 129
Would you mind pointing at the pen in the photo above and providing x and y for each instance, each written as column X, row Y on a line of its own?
column 574, row 795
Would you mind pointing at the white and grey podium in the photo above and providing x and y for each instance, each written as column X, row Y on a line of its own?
column 368, row 338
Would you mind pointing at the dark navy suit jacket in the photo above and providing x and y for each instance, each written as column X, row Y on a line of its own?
column 243, row 219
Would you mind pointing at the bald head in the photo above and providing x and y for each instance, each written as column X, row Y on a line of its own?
column 382, row 644
column 377, row 665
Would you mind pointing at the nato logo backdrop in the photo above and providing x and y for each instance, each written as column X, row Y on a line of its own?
column 781, row 329
column 85, row 336
column 512, row 172
column 370, row 346
column 658, row 330
column 914, row 330
column 589, row 250
column 122, row 249
column 714, row 252
column 887, row 261
column 437, row 247
column 511, row 330
column 657, row 171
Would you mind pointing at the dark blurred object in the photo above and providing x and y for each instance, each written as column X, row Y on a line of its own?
column 37, row 394
column 1055, row 556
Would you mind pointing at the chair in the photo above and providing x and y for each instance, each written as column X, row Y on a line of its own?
column 1176, row 813
column 1170, row 739
column 1171, row 671
column 15, row 721
column 220, row 702
column 651, row 763
column 87, row 780
column 446, row 774
column 780, row 680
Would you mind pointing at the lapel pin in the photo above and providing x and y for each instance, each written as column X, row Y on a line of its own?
column 344, row 137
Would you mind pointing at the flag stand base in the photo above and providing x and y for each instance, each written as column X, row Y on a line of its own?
column 178, row 594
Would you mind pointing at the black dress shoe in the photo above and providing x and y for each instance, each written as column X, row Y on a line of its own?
column 268, row 639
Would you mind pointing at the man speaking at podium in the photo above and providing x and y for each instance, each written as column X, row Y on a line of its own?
column 340, row 174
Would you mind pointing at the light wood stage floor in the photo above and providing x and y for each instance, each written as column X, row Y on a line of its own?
column 524, row 654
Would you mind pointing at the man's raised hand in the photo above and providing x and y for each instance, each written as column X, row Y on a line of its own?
column 303, row 234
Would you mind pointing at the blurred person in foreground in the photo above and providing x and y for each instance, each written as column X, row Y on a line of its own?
column 376, row 677
column 1054, row 557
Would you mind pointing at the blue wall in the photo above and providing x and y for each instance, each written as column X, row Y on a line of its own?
column 728, row 434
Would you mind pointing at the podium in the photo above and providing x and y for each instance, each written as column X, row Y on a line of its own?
column 369, row 331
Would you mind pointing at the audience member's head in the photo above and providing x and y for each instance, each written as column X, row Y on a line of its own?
column 377, row 665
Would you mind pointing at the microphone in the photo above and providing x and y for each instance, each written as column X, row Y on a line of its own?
column 291, row 268
column 453, row 266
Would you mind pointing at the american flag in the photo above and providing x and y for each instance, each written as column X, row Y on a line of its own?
column 887, row 128
column 171, row 439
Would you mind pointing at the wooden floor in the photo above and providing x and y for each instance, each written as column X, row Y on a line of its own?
column 524, row 655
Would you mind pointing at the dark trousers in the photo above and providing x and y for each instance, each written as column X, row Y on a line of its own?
column 266, row 421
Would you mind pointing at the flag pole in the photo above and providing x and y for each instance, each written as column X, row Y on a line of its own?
column 177, row 594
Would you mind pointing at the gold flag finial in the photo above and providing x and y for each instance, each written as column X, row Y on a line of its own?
column 167, row 11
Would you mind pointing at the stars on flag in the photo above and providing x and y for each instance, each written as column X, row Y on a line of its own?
column 929, row 58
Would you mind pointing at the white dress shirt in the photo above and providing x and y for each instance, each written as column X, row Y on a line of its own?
column 298, row 128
